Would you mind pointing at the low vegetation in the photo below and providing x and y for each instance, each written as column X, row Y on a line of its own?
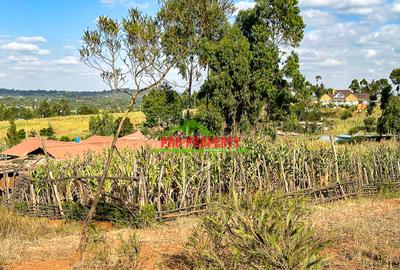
column 71, row 126
column 256, row 232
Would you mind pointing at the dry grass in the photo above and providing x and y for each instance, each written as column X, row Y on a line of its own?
column 343, row 126
column 18, row 233
column 72, row 126
column 363, row 233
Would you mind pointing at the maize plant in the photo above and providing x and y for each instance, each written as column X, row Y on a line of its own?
column 176, row 180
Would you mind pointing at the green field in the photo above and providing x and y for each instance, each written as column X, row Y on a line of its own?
column 72, row 126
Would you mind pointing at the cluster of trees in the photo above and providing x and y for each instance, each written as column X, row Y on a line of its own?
column 381, row 92
column 252, row 75
column 105, row 125
column 43, row 110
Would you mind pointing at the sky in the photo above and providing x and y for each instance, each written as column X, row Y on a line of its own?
column 343, row 40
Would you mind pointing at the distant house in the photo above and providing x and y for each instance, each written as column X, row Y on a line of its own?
column 345, row 98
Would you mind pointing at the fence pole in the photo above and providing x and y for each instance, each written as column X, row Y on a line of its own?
column 337, row 176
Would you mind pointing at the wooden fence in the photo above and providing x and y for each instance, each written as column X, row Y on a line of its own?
column 337, row 191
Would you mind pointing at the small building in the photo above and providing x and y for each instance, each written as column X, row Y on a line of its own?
column 345, row 98
column 37, row 147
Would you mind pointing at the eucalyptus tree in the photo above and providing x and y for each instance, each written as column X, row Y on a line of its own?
column 355, row 86
column 228, row 82
column 195, row 22
column 272, row 28
column 395, row 77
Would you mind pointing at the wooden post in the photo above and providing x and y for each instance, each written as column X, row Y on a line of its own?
column 33, row 197
column 209, row 182
column 159, row 193
column 56, row 194
column 307, row 174
column 283, row 175
column 336, row 163
column 5, row 174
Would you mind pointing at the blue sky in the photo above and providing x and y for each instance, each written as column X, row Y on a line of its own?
column 344, row 39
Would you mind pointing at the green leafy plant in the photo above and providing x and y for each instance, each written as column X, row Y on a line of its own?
column 264, row 231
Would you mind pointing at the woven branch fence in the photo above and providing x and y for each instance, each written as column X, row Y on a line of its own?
column 177, row 184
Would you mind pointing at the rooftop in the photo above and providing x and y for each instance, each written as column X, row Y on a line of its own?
column 65, row 150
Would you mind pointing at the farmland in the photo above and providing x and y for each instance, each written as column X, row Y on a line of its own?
column 71, row 126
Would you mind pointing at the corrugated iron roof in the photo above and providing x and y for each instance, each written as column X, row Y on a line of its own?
column 65, row 150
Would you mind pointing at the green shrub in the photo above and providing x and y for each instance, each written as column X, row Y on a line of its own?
column 256, row 232
column 100, row 255
column 346, row 115
column 147, row 216
column 47, row 132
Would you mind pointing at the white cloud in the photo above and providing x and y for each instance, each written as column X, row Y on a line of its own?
column 22, row 59
column 31, row 39
column 69, row 60
column 396, row 7
column 371, row 53
column 2, row 75
column 43, row 52
column 357, row 7
column 316, row 18
column 16, row 46
column 125, row 3
column 244, row 5
column 330, row 62
column 24, row 47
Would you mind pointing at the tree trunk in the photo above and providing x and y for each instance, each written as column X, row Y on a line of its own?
column 100, row 188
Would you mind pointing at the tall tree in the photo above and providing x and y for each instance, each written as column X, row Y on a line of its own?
column 195, row 21
column 364, row 86
column 395, row 77
column 269, row 27
column 227, row 85
column 355, row 86
column 390, row 119
column 132, row 49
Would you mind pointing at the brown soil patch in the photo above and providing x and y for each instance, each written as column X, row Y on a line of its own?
column 159, row 244
column 363, row 234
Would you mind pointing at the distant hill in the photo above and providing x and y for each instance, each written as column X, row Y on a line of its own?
column 102, row 99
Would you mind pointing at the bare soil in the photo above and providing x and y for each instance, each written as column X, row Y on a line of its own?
column 362, row 234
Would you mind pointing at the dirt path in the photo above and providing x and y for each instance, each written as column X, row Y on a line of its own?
column 159, row 244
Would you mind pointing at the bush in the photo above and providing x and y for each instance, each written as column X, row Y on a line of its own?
column 210, row 117
column 100, row 255
column 127, row 126
column 369, row 124
column 102, row 125
column 256, row 232
column 346, row 115
column 87, row 109
column 47, row 132
column 65, row 139
column 14, row 136
column 189, row 128
column 162, row 107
